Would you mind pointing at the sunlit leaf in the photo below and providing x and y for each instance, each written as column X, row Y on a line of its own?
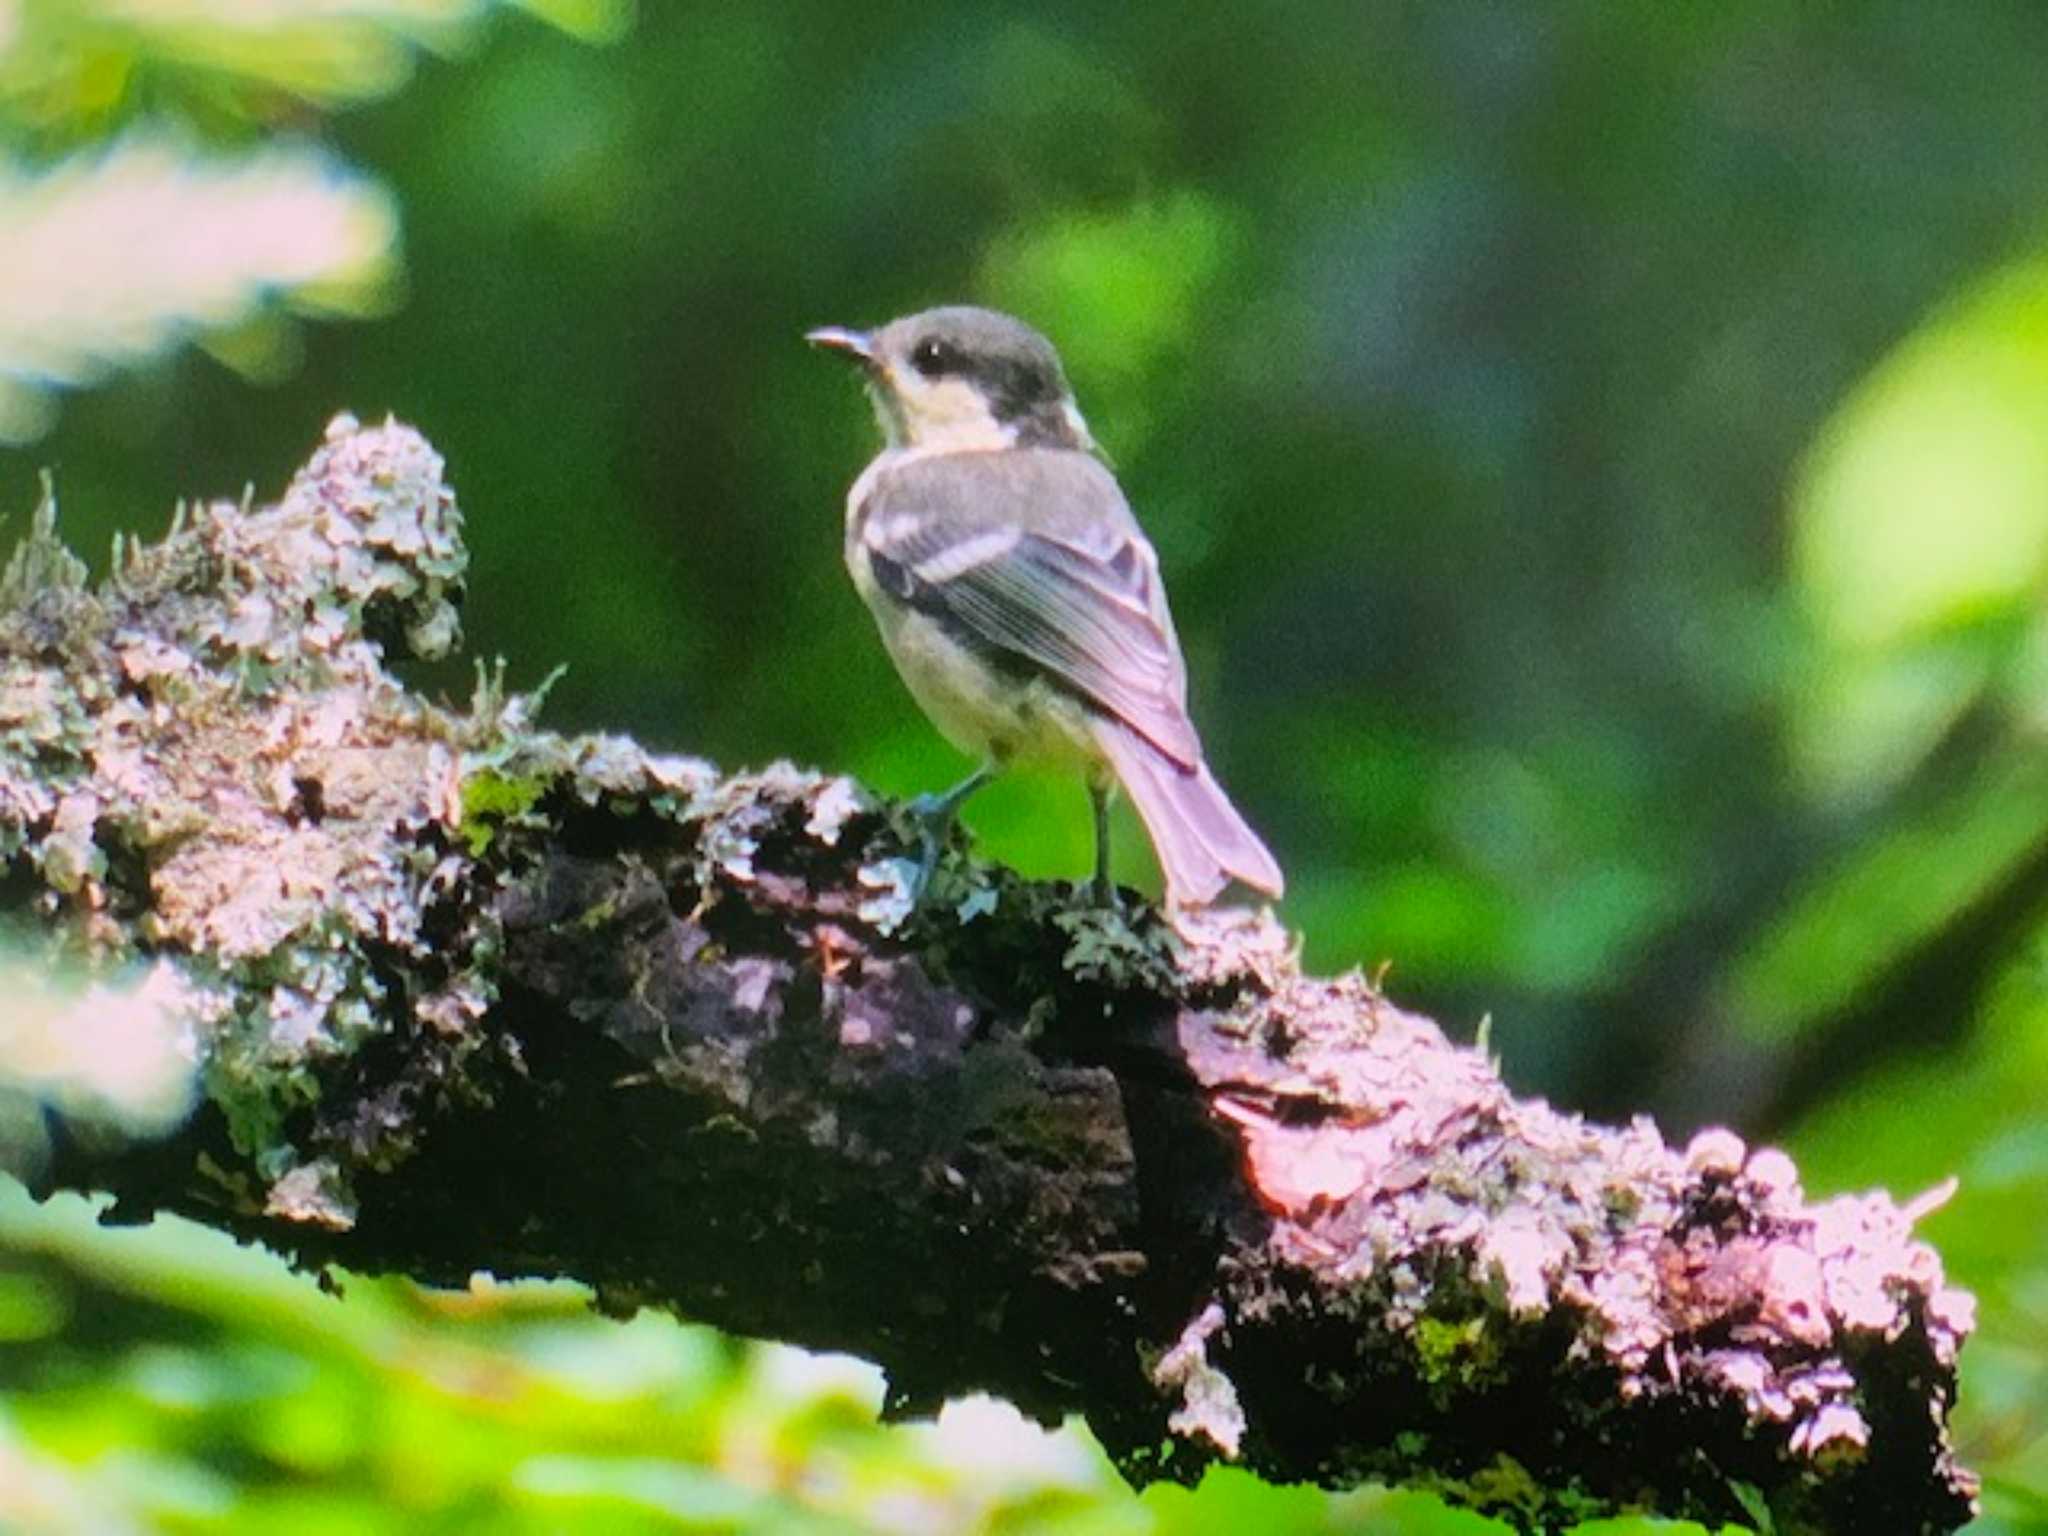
column 67, row 64
column 111, row 258
column 595, row 20
column 1921, row 517
column 113, row 1053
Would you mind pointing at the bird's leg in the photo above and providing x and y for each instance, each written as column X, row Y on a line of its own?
column 935, row 815
column 1103, row 889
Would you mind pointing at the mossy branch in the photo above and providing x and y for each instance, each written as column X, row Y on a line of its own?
column 469, row 995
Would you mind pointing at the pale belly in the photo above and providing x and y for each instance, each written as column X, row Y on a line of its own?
column 985, row 713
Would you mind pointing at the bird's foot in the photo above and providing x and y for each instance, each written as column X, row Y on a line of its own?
column 1102, row 890
column 932, row 816
column 931, row 840
column 928, row 808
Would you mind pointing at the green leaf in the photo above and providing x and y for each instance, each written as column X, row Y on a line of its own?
column 1914, row 878
column 111, row 258
column 1920, row 532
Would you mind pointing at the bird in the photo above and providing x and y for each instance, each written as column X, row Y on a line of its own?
column 1018, row 597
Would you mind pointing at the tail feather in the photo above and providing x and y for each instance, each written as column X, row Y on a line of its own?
column 1201, row 840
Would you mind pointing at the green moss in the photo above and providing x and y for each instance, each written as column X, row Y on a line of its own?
column 1505, row 1484
column 491, row 799
column 254, row 1096
column 1460, row 1354
column 1620, row 1202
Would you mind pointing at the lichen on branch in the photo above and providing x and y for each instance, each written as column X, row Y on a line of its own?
column 466, row 994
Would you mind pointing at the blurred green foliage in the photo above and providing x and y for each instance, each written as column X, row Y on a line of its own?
column 1600, row 459
column 123, row 233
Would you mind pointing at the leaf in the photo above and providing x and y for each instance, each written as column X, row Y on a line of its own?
column 1920, row 534
column 75, row 63
column 108, row 259
column 1893, row 895
column 1119, row 290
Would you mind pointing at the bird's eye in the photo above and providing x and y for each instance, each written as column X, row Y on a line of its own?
column 932, row 357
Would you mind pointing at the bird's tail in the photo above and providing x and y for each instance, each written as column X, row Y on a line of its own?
column 1201, row 841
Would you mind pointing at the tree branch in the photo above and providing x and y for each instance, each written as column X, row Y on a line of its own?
column 468, row 995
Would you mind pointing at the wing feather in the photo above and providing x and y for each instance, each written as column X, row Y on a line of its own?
column 1034, row 553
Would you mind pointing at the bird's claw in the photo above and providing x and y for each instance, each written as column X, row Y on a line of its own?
column 929, row 846
column 933, row 817
column 927, row 808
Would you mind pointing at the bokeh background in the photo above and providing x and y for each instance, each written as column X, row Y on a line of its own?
column 1599, row 456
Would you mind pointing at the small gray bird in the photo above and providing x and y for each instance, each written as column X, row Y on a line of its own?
column 1019, row 598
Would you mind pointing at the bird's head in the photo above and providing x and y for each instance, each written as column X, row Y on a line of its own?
column 959, row 379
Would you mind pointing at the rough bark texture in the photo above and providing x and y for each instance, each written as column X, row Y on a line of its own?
column 466, row 995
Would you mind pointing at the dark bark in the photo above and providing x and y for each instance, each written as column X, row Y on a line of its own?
column 472, row 996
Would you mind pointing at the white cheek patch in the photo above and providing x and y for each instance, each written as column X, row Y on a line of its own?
column 949, row 415
column 952, row 401
column 967, row 554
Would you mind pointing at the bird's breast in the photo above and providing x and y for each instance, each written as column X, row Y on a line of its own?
column 987, row 707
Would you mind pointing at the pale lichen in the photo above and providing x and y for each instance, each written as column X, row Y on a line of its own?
column 1369, row 1139
column 1208, row 1403
column 210, row 744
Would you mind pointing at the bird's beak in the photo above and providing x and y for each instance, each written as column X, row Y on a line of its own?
column 858, row 345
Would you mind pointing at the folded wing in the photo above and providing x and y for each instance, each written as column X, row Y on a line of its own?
column 1034, row 554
